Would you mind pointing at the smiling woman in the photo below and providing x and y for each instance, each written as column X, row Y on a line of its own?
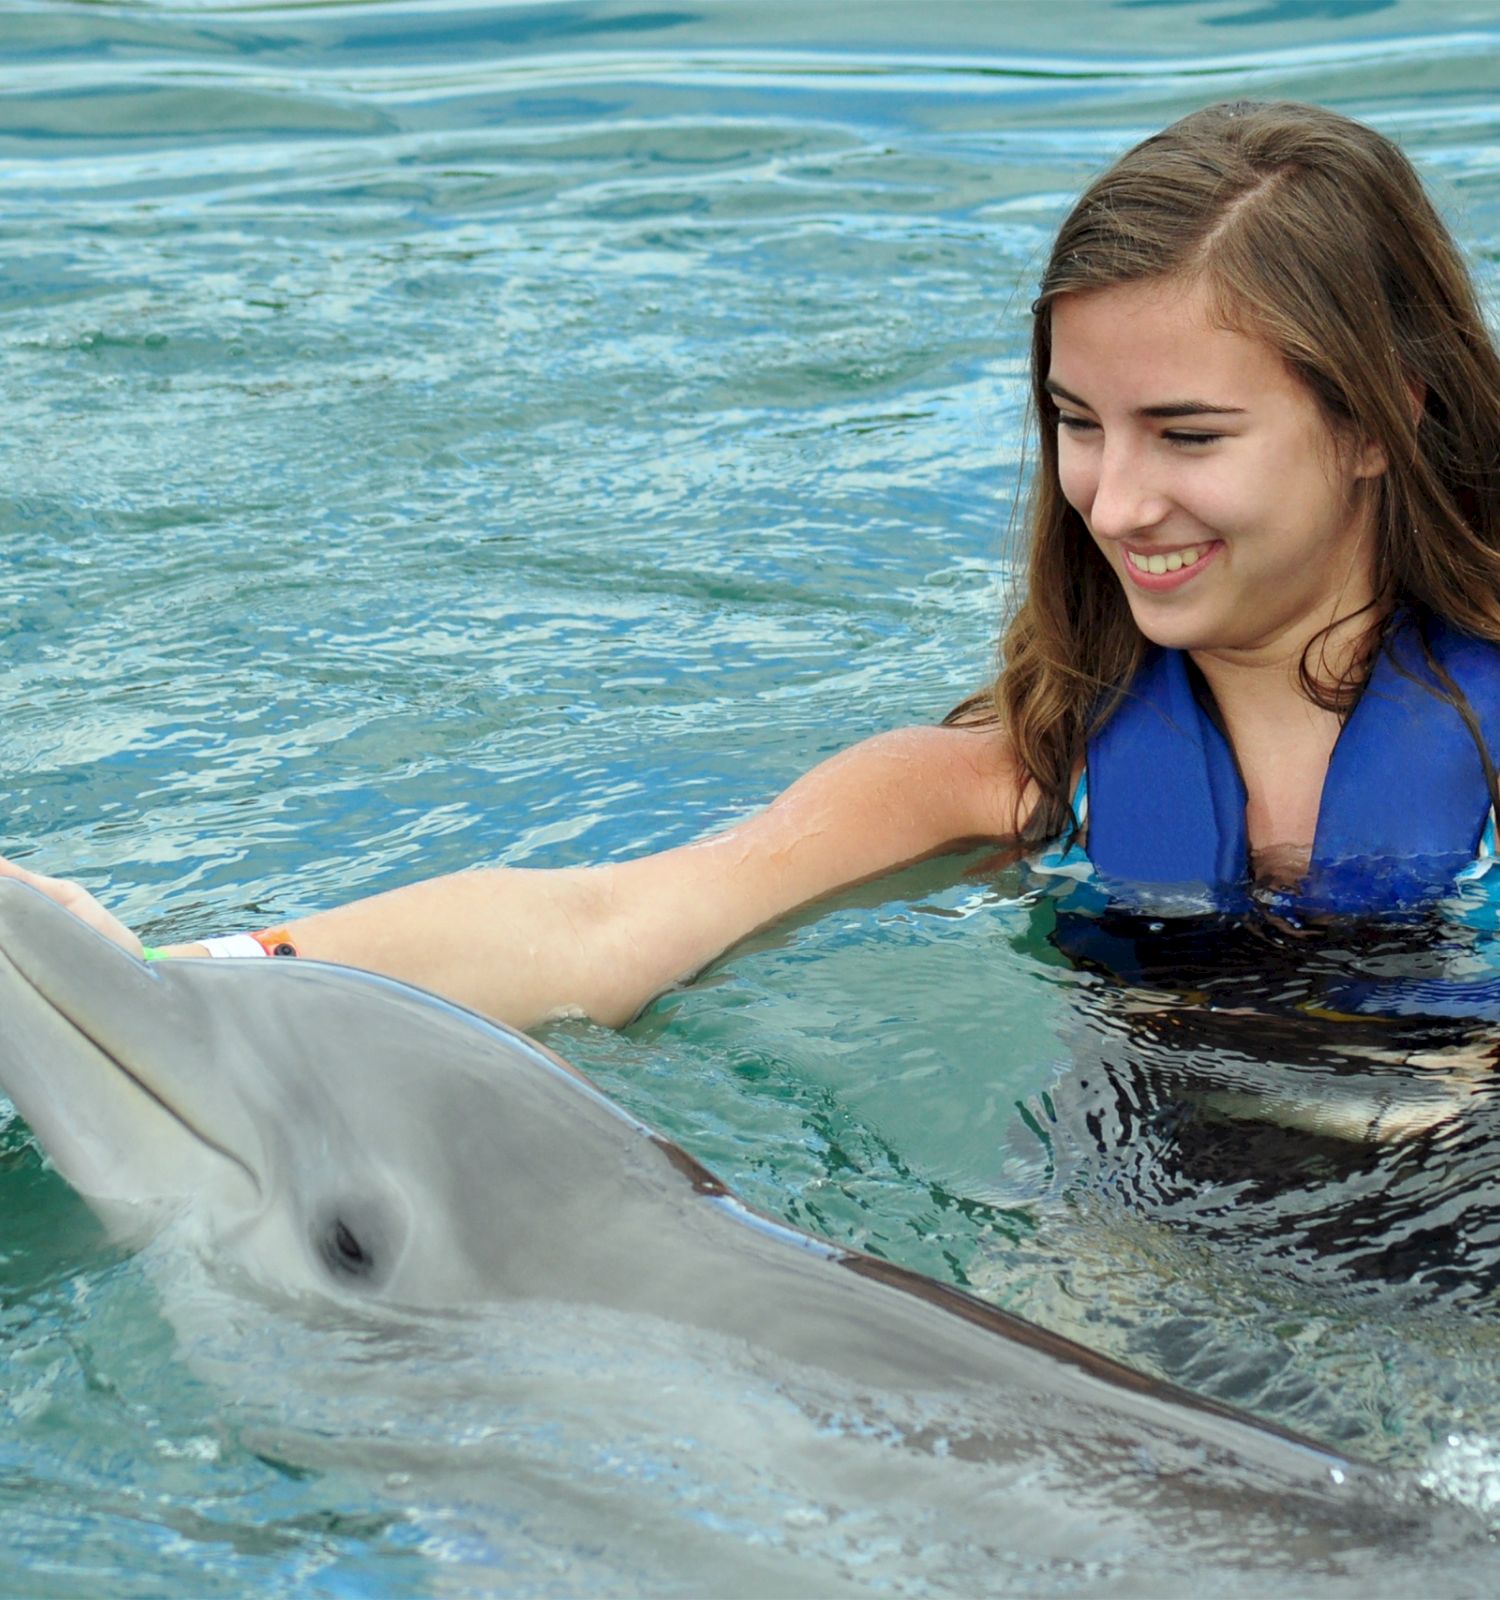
column 1239, row 527
column 1270, row 460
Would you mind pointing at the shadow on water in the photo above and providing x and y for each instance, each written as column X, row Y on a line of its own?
column 1282, row 1111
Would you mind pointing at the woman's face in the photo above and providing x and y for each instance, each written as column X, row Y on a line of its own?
column 1206, row 473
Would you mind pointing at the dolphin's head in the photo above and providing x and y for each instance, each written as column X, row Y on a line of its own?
column 326, row 1129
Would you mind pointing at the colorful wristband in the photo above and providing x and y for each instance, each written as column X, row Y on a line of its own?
column 269, row 942
column 150, row 953
column 233, row 944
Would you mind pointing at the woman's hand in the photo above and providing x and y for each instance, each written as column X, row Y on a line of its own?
column 75, row 898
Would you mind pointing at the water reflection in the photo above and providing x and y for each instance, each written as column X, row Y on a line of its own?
column 1284, row 1125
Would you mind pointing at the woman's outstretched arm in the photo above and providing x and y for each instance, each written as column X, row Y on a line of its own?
column 527, row 944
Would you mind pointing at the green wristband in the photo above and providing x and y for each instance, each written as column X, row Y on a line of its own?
column 150, row 954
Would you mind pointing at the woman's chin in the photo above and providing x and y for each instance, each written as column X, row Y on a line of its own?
column 1176, row 627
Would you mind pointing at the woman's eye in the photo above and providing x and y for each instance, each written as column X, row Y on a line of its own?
column 1191, row 439
column 1071, row 424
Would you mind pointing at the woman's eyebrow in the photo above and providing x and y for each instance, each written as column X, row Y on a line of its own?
column 1168, row 408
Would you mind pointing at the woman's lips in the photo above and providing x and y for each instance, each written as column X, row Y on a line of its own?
column 1160, row 570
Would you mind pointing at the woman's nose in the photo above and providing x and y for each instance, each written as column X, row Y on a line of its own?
column 1127, row 497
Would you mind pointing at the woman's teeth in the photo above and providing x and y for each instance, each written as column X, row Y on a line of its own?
column 1168, row 563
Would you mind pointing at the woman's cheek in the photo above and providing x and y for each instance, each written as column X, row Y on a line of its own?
column 1076, row 480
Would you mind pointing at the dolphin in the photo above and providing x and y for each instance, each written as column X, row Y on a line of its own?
column 337, row 1135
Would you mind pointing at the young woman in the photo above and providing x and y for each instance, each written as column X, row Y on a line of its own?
column 1265, row 522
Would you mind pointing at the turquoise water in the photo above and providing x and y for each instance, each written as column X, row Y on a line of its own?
column 451, row 433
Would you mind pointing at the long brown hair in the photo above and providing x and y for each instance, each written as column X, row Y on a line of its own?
column 1313, row 233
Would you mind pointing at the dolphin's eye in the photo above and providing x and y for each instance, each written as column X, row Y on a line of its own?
column 356, row 1239
column 343, row 1252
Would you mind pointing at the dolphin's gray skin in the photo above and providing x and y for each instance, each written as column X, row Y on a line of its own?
column 338, row 1134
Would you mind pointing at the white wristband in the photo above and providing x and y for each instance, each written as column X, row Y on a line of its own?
column 234, row 944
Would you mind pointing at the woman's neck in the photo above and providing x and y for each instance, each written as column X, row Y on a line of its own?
column 1282, row 740
column 1267, row 679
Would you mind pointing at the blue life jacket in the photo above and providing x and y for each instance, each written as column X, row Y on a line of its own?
column 1402, row 810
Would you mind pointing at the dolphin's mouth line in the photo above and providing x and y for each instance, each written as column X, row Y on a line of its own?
column 144, row 1087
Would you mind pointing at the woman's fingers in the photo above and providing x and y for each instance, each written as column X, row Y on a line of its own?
column 74, row 897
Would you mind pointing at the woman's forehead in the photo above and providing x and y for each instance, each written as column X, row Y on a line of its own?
column 1156, row 343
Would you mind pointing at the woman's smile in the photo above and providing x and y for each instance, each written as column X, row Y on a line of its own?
column 1160, row 570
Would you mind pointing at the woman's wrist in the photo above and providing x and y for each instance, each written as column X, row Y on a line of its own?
column 166, row 952
column 268, row 942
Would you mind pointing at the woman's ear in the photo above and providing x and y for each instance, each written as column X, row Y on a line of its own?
column 1371, row 460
